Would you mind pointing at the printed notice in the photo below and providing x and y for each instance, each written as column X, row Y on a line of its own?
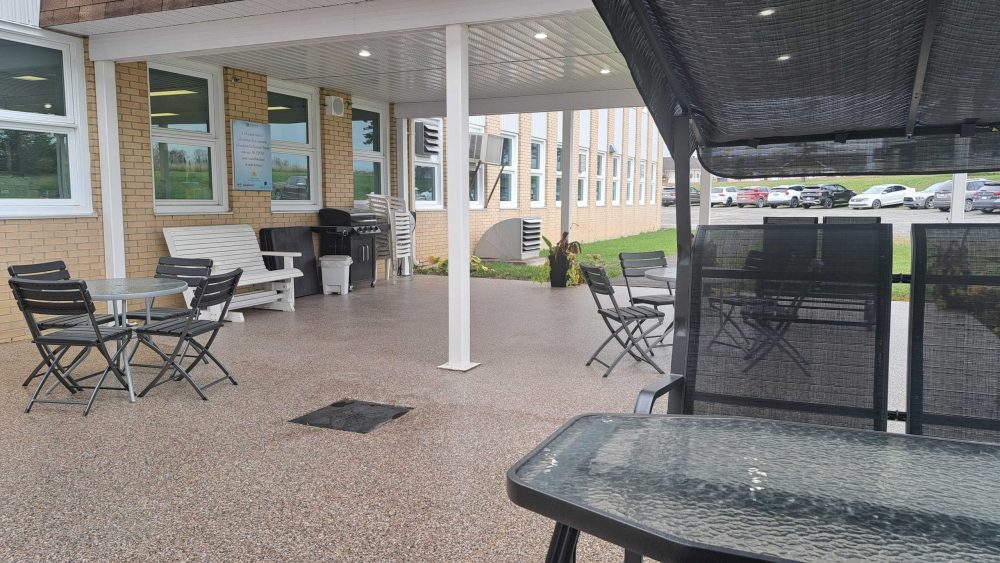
column 251, row 156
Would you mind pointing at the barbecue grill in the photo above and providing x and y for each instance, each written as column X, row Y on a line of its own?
column 351, row 232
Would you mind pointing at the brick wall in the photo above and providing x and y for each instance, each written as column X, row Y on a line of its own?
column 590, row 223
column 77, row 241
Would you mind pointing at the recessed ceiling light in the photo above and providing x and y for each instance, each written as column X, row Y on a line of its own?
column 276, row 108
column 541, row 35
column 364, row 53
column 605, row 71
column 784, row 57
column 171, row 93
column 29, row 77
column 766, row 12
column 47, row 106
column 163, row 114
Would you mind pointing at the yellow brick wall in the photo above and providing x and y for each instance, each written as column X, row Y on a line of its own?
column 77, row 241
column 589, row 223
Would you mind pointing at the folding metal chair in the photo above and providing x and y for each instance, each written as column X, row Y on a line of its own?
column 190, row 270
column 53, row 271
column 210, row 291
column 634, row 265
column 624, row 323
column 68, row 298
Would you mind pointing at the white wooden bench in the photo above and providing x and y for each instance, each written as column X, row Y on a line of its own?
column 236, row 246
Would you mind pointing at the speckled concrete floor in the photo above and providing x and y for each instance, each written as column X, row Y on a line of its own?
column 173, row 477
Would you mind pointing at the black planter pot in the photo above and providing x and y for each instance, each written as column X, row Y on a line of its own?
column 558, row 267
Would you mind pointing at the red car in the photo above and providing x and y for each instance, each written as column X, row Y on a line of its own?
column 755, row 196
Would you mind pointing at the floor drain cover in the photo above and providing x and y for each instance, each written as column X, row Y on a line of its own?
column 352, row 416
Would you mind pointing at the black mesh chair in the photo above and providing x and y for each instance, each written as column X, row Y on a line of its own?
column 863, row 220
column 68, row 298
column 794, row 220
column 190, row 270
column 816, row 337
column 635, row 265
column 954, row 387
column 210, row 291
column 53, row 271
column 624, row 323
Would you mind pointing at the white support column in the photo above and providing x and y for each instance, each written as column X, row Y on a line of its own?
column 110, row 162
column 457, row 157
column 957, row 211
column 403, row 175
column 567, row 192
column 705, row 207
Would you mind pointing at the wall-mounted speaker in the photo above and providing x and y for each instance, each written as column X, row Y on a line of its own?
column 335, row 106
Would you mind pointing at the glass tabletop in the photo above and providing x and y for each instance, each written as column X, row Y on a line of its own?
column 661, row 274
column 772, row 489
column 133, row 288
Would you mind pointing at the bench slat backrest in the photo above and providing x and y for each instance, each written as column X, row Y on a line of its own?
column 230, row 247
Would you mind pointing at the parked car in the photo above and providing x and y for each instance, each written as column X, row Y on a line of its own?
column 295, row 187
column 987, row 198
column 670, row 197
column 755, row 196
column 942, row 199
column 925, row 198
column 881, row 195
column 724, row 195
column 784, row 195
column 827, row 195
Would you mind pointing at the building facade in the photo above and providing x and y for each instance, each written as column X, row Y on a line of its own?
column 173, row 125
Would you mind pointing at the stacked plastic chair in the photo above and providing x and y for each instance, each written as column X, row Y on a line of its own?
column 396, row 246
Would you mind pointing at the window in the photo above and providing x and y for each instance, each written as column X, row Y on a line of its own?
column 642, row 182
column 369, row 130
column 187, row 136
column 583, row 164
column 537, row 164
column 616, row 188
column 599, row 181
column 559, row 160
column 652, row 183
column 292, row 112
column 44, row 154
column 629, row 175
column 477, row 172
column 427, row 180
column 508, row 172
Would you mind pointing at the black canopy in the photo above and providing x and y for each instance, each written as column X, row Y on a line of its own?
column 792, row 88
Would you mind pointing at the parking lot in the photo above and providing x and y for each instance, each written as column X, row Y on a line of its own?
column 900, row 217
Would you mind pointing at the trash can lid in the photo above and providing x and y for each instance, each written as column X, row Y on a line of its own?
column 336, row 258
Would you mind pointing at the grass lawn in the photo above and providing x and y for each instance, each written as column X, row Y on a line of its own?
column 901, row 265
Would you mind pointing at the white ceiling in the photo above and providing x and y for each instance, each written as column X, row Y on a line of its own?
column 505, row 61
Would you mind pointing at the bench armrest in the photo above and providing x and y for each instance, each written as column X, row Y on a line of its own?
column 287, row 263
column 653, row 391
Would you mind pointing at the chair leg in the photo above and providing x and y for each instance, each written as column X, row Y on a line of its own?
column 41, row 384
column 635, row 343
column 205, row 355
column 562, row 547
column 170, row 362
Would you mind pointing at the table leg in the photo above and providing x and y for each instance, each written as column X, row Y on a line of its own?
column 125, row 356
column 562, row 548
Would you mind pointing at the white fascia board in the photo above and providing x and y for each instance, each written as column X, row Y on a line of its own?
column 525, row 104
column 318, row 24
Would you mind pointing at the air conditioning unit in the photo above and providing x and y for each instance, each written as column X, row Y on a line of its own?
column 487, row 148
column 519, row 239
column 426, row 139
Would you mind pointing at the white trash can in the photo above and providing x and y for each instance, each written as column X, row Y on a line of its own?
column 336, row 270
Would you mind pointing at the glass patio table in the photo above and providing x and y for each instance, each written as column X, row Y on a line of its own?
column 697, row 488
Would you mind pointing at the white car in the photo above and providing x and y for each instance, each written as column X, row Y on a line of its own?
column 882, row 195
column 784, row 195
column 724, row 195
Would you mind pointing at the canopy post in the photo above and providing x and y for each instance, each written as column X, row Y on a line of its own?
column 109, row 153
column 705, row 207
column 681, row 133
column 957, row 212
column 457, row 151
column 566, row 191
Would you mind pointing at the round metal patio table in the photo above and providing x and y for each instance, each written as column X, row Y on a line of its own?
column 666, row 274
column 119, row 291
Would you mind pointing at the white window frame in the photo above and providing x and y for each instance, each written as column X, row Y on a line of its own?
column 381, row 156
column 652, row 183
column 310, row 149
column 642, row 182
column 600, row 184
column 510, row 170
column 559, row 176
column 481, row 174
column 629, row 181
column 215, row 140
column 616, row 180
column 537, row 173
column 73, row 125
column 583, row 176
column 431, row 161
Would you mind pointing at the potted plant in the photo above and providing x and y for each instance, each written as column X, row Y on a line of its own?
column 562, row 263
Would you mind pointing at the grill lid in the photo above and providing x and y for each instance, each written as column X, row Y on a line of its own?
column 336, row 216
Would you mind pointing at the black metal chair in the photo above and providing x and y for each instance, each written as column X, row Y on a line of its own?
column 68, row 298
column 793, row 220
column 53, row 271
column 635, row 265
column 189, row 270
column 211, row 291
column 954, row 341
column 863, row 220
column 825, row 319
column 624, row 323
